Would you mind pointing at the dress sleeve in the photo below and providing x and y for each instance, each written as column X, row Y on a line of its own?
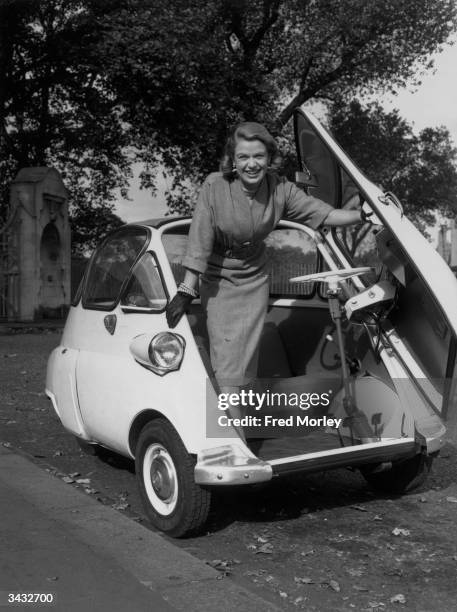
column 201, row 233
column 303, row 208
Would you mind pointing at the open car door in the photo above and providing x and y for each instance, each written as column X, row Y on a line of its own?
column 420, row 330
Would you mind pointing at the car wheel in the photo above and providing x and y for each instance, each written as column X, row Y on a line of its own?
column 165, row 472
column 402, row 477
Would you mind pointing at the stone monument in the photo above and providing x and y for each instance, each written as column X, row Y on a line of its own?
column 39, row 249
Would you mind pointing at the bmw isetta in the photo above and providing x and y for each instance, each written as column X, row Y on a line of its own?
column 371, row 324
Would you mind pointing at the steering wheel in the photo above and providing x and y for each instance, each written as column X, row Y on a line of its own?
column 331, row 277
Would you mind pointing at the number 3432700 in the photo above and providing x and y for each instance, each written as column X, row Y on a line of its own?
column 30, row 598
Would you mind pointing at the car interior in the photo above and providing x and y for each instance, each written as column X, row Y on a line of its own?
column 298, row 349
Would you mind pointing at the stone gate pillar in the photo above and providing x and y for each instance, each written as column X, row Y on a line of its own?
column 41, row 238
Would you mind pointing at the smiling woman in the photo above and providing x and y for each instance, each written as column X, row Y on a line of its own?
column 237, row 209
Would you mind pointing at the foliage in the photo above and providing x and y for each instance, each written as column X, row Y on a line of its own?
column 91, row 86
column 420, row 169
column 184, row 75
column 54, row 110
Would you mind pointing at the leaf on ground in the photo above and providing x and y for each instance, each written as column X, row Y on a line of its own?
column 221, row 566
column 83, row 481
column 377, row 517
column 259, row 572
column 335, row 585
column 400, row 598
column 120, row 506
column 356, row 587
column 305, row 553
column 355, row 572
column 453, row 500
column 398, row 531
column 304, row 580
column 261, row 539
column 266, row 549
column 68, row 480
column 74, row 474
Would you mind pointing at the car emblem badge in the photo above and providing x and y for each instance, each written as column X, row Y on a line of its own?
column 110, row 323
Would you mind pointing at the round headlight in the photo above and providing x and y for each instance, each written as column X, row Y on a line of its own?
column 166, row 350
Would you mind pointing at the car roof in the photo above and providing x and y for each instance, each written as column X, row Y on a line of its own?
column 160, row 221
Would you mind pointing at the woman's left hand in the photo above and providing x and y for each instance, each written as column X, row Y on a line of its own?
column 176, row 308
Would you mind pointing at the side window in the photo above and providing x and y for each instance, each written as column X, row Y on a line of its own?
column 110, row 266
column 317, row 162
column 358, row 242
column 290, row 253
column 145, row 288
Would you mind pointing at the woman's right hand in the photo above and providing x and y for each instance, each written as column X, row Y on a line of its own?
column 176, row 308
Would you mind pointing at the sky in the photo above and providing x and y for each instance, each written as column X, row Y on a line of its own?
column 432, row 104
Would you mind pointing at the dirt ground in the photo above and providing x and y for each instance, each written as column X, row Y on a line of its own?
column 317, row 543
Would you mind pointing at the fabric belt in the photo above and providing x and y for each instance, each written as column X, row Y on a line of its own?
column 237, row 251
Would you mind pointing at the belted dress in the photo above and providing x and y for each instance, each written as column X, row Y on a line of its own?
column 226, row 246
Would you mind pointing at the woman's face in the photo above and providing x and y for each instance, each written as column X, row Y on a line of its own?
column 251, row 162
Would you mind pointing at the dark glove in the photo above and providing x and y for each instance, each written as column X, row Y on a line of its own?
column 176, row 308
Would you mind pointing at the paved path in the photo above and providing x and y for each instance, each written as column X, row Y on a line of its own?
column 56, row 539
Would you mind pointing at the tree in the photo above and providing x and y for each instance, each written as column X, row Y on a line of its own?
column 91, row 86
column 54, row 110
column 420, row 169
column 185, row 75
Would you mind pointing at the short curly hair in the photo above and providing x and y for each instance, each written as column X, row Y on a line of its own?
column 249, row 130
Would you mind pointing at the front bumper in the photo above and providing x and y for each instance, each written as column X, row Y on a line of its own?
column 230, row 465
column 233, row 465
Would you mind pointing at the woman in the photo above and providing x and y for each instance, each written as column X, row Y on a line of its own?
column 236, row 210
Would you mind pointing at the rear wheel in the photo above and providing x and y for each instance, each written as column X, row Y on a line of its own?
column 402, row 477
column 165, row 473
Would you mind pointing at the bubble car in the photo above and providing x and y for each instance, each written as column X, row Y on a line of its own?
column 364, row 339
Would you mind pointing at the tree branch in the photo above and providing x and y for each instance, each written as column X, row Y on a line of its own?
column 347, row 61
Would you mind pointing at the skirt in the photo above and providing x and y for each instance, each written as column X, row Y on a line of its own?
column 235, row 320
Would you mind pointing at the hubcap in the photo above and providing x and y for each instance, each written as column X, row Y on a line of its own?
column 160, row 479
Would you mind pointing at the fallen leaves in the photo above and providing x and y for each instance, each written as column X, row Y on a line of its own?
column 398, row 531
column 122, row 503
column 265, row 549
column 335, row 586
column 304, row 580
column 355, row 572
column 400, row 598
column 225, row 567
